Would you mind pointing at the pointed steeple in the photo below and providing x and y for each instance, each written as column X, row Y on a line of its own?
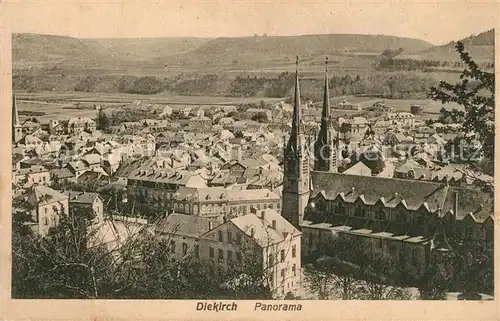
column 15, row 115
column 325, row 114
column 324, row 149
column 296, row 102
column 295, row 166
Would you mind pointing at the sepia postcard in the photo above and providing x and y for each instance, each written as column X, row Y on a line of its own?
column 248, row 160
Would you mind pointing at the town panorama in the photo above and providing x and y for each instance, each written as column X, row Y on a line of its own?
column 354, row 172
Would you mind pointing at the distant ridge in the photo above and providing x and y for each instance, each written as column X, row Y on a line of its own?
column 33, row 49
column 276, row 48
column 481, row 47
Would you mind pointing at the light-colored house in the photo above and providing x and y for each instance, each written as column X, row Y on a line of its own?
column 263, row 239
column 47, row 207
column 34, row 175
column 91, row 203
column 80, row 124
column 403, row 119
column 183, row 233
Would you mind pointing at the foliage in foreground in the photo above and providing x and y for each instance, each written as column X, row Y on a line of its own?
column 73, row 263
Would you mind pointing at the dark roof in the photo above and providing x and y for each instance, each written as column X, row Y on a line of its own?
column 182, row 224
column 62, row 173
column 474, row 201
column 390, row 191
column 82, row 197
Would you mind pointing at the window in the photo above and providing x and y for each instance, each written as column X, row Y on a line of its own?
column 294, row 251
column 265, row 206
column 184, row 248
column 294, row 270
column 45, row 210
column 282, row 255
column 45, row 221
column 278, row 205
column 238, row 257
column 238, row 239
column 310, row 240
column 172, row 246
column 271, row 206
column 271, row 260
column 211, row 250
column 221, row 255
column 229, row 256
column 229, row 237
column 220, row 237
column 282, row 274
column 258, row 206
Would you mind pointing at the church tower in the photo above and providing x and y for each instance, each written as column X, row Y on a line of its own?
column 325, row 147
column 296, row 166
column 17, row 130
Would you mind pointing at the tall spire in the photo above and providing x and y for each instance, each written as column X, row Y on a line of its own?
column 325, row 114
column 295, row 166
column 15, row 115
column 296, row 102
column 324, row 151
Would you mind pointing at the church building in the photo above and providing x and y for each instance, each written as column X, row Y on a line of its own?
column 408, row 218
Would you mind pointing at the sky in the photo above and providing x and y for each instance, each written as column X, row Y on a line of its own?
column 435, row 22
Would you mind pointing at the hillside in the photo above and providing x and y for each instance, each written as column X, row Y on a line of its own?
column 262, row 49
column 136, row 49
column 34, row 49
column 481, row 47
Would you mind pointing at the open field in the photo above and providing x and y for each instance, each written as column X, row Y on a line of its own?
column 53, row 104
column 161, row 98
column 52, row 111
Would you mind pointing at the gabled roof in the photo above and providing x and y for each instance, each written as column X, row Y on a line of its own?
column 40, row 195
column 82, row 197
column 182, row 224
column 62, row 173
column 359, row 169
column 262, row 227
column 31, row 170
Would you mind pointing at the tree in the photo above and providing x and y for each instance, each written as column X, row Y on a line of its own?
column 352, row 269
column 103, row 121
column 60, row 265
column 473, row 264
column 260, row 117
column 434, row 282
column 476, row 93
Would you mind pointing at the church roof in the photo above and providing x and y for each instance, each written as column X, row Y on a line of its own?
column 390, row 192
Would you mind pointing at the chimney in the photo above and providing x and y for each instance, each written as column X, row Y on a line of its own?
column 274, row 224
column 252, row 232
